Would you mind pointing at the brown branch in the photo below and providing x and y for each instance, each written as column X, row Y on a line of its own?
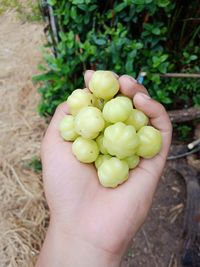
column 181, row 75
column 184, row 114
column 195, row 19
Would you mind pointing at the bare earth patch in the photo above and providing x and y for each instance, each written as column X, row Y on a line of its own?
column 22, row 204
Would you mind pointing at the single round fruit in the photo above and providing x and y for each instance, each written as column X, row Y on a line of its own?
column 80, row 99
column 66, row 128
column 101, row 147
column 100, row 159
column 132, row 161
column 85, row 150
column 120, row 140
column 104, row 84
column 117, row 109
column 89, row 122
column 113, row 172
column 137, row 118
column 150, row 142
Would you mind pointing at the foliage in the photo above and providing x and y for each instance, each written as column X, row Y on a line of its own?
column 124, row 36
column 184, row 132
column 35, row 164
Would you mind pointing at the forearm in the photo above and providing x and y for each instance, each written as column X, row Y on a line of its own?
column 61, row 251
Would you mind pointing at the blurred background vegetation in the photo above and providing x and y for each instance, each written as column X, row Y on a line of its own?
column 129, row 36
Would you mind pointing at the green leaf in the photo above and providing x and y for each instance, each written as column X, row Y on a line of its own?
column 163, row 58
column 77, row 2
column 138, row 2
column 193, row 57
column 92, row 7
column 156, row 31
column 83, row 7
column 163, row 97
column 129, row 66
column 73, row 12
column 63, row 36
column 163, row 3
column 186, row 54
column 42, row 77
column 155, row 78
column 99, row 41
column 162, row 68
column 156, row 61
column 42, row 67
column 120, row 7
column 35, row 164
column 51, row 2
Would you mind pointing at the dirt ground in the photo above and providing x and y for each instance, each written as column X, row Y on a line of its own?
column 22, row 205
column 158, row 242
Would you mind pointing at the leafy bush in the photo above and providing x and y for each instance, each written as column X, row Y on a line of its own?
column 126, row 36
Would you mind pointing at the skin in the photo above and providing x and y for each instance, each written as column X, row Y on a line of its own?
column 91, row 225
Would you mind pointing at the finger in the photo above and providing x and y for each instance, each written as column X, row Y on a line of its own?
column 88, row 75
column 144, row 179
column 129, row 86
column 158, row 117
column 160, row 120
column 52, row 134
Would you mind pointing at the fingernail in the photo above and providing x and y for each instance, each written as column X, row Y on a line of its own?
column 144, row 95
column 130, row 78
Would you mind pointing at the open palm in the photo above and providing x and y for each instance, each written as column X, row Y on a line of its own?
column 104, row 217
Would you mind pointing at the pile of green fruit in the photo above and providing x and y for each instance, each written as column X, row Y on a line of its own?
column 107, row 130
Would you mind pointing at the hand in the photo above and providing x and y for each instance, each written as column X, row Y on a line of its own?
column 88, row 218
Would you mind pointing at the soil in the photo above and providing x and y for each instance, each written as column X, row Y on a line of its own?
column 156, row 244
column 22, row 205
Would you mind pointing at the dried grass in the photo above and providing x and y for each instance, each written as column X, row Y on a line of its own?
column 23, row 210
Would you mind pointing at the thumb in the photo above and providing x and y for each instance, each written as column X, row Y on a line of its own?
column 52, row 135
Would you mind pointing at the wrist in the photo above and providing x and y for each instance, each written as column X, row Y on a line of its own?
column 63, row 249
